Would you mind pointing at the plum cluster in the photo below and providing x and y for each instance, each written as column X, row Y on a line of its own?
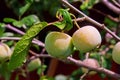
column 61, row 45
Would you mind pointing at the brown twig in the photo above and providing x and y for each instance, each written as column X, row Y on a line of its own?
column 35, row 55
column 116, row 3
column 111, row 6
column 17, row 39
column 102, row 26
column 85, row 74
column 22, row 33
column 78, row 19
column 101, row 69
column 108, row 16
column 80, row 63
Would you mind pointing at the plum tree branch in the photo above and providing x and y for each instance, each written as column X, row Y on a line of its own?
column 82, row 64
column 17, row 38
column 78, row 62
column 108, row 16
column 116, row 3
column 102, row 26
column 101, row 69
column 111, row 6
column 22, row 33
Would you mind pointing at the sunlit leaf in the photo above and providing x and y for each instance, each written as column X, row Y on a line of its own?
column 22, row 47
column 9, row 20
column 66, row 18
column 88, row 4
column 60, row 25
column 24, row 8
column 30, row 20
column 18, row 24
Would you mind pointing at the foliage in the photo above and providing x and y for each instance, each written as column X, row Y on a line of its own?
column 32, row 17
column 22, row 47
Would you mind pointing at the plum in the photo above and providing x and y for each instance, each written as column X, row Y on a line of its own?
column 86, row 38
column 59, row 44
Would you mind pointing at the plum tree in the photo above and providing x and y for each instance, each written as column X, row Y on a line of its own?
column 34, row 64
column 58, row 44
column 5, row 52
column 91, row 62
column 86, row 38
column 116, row 53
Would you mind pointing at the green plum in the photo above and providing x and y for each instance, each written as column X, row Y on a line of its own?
column 86, row 38
column 58, row 44
column 5, row 52
column 91, row 62
column 34, row 64
column 116, row 53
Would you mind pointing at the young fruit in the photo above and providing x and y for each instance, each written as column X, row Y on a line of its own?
column 5, row 52
column 116, row 53
column 34, row 64
column 91, row 62
column 58, row 44
column 86, row 38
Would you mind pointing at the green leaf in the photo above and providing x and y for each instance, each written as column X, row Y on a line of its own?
column 104, row 62
column 6, row 34
column 22, row 47
column 2, row 29
column 66, row 18
column 17, row 77
column 60, row 25
column 23, row 9
column 9, row 20
column 2, row 24
column 84, row 5
column 4, row 71
column 41, row 69
column 88, row 4
column 102, row 75
column 77, row 72
column 110, row 23
column 18, row 24
column 30, row 20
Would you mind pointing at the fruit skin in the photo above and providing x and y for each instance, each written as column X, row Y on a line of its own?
column 91, row 62
column 86, row 38
column 58, row 44
column 116, row 53
column 34, row 64
column 5, row 52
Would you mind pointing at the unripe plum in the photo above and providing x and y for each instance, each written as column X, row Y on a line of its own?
column 116, row 53
column 5, row 52
column 91, row 62
column 59, row 44
column 86, row 38
column 34, row 64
